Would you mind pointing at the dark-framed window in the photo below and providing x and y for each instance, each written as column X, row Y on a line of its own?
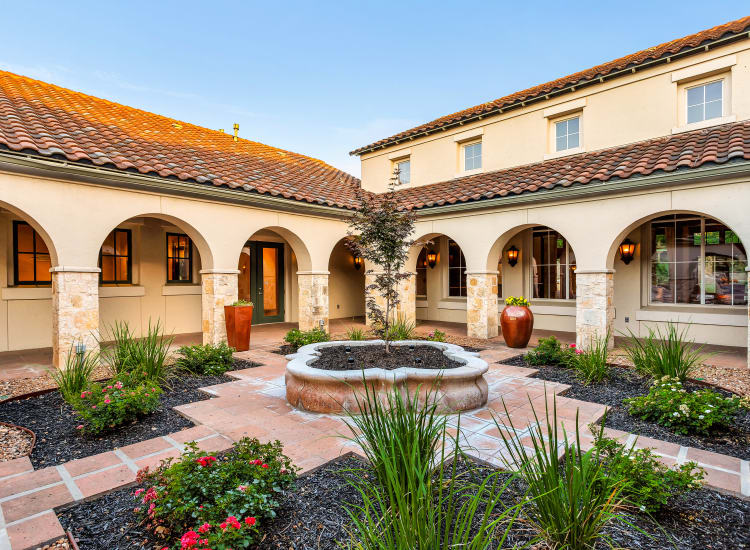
column 115, row 258
column 179, row 258
column 456, row 270
column 422, row 273
column 500, row 279
column 553, row 266
column 31, row 259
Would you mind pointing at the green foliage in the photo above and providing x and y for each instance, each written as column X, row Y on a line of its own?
column 121, row 400
column 297, row 338
column 436, row 336
column 591, row 365
column 149, row 354
column 197, row 489
column 355, row 334
column 237, row 303
column 408, row 505
column 648, row 484
column 400, row 329
column 670, row 405
column 207, row 359
column 573, row 498
column 517, row 301
column 665, row 354
column 77, row 373
column 549, row 351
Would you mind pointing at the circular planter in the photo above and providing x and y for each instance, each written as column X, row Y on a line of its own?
column 516, row 322
column 335, row 392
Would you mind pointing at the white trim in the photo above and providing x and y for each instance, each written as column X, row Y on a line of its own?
column 717, row 319
column 565, row 311
column 585, row 271
column 482, row 272
column 74, row 269
column 421, row 303
column 400, row 154
column 564, row 153
column 705, row 123
column 219, row 272
column 564, row 108
column 470, row 134
column 458, row 305
column 121, row 291
column 180, row 290
column 313, row 273
column 703, row 69
column 23, row 293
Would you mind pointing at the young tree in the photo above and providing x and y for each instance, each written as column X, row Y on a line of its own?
column 381, row 234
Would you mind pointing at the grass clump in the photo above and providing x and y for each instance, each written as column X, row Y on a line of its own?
column 77, row 373
column 401, row 329
column 150, row 354
column 591, row 365
column 355, row 334
column 208, row 359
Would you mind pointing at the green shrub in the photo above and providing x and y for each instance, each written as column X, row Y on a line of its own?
column 669, row 354
column 208, row 359
column 182, row 495
column 670, row 405
column 242, row 303
column 591, row 365
column 517, row 301
column 572, row 497
column 121, row 400
column 401, row 329
column 149, row 354
column 77, row 373
column 549, row 351
column 436, row 336
column 297, row 338
column 648, row 484
column 355, row 334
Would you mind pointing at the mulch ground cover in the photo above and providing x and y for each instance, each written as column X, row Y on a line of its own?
column 54, row 421
column 313, row 517
column 624, row 383
column 374, row 356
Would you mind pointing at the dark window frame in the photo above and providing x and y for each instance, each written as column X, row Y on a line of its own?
column 129, row 256
column 461, row 268
column 421, row 272
column 35, row 282
column 189, row 281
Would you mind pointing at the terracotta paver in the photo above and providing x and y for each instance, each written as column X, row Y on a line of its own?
column 152, row 462
column 29, row 481
column 101, row 482
column 35, row 532
column 15, row 466
column 150, row 446
column 33, row 503
column 92, row 463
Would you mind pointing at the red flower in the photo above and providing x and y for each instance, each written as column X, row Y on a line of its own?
column 572, row 346
column 250, row 521
column 264, row 466
column 205, row 527
column 223, row 525
column 205, row 461
column 189, row 539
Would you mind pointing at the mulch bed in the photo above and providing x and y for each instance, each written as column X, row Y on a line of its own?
column 313, row 517
column 625, row 383
column 54, row 422
column 372, row 356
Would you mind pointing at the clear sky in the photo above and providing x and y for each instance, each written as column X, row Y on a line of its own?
column 323, row 78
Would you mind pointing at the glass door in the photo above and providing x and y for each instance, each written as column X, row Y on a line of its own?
column 262, row 280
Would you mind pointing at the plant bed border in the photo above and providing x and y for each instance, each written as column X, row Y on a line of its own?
column 24, row 429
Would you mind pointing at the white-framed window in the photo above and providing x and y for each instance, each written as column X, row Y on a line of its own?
column 696, row 260
column 553, row 266
column 403, row 168
column 568, row 133
column 472, row 156
column 705, row 101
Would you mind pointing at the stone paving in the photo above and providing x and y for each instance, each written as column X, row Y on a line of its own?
column 254, row 405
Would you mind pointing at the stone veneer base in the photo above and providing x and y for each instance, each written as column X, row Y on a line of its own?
column 335, row 392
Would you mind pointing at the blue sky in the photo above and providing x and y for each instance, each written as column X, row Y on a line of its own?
column 322, row 78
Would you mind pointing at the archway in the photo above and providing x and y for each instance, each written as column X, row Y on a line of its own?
column 346, row 283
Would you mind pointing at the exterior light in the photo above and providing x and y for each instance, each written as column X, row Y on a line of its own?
column 627, row 251
column 431, row 258
column 512, row 256
column 80, row 348
column 357, row 262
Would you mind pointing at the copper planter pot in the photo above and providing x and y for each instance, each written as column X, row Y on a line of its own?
column 516, row 322
column 238, row 320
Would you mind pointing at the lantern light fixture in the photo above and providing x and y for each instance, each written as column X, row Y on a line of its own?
column 627, row 251
column 512, row 256
column 432, row 258
column 357, row 262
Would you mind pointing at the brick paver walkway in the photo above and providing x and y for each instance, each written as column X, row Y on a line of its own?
column 255, row 405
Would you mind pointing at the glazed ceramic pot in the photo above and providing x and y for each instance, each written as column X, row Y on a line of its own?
column 238, row 320
column 516, row 322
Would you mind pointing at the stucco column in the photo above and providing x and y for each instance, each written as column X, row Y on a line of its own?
column 481, row 304
column 218, row 289
column 407, row 295
column 75, row 310
column 313, row 299
column 595, row 310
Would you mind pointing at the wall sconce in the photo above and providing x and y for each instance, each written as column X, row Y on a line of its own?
column 627, row 251
column 431, row 258
column 512, row 256
column 357, row 262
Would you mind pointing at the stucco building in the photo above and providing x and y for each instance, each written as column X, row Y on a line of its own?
column 112, row 213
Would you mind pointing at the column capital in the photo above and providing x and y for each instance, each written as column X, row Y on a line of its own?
column 219, row 271
column 73, row 269
column 313, row 273
column 482, row 272
column 593, row 271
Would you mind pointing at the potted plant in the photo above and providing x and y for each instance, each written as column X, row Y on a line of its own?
column 516, row 322
column 238, row 318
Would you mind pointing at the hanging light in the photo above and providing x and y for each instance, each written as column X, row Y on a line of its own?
column 431, row 258
column 627, row 251
column 357, row 262
column 512, row 256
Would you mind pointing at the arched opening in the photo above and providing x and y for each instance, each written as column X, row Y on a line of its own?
column 346, row 284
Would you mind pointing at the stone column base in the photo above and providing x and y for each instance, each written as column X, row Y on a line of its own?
column 595, row 310
column 75, row 311
column 481, row 304
column 406, row 309
column 218, row 289
column 313, row 299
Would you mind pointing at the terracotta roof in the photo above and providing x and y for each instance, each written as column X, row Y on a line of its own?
column 633, row 60
column 717, row 145
column 49, row 120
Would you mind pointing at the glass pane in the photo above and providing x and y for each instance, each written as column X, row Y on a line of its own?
column 404, row 172
column 185, row 247
column 573, row 141
column 662, row 284
column 454, row 281
column 572, row 282
column 455, row 256
column 108, row 268
column 687, row 240
column 573, row 125
column 108, row 248
column 713, row 110
column 695, row 96
column 687, row 286
column 122, row 269
column 561, row 129
column 243, row 282
column 537, row 280
column 499, row 280
column 561, row 143
column 713, row 91
column 43, row 266
column 270, row 281
column 183, row 270
column 421, row 281
column 172, row 246
column 122, row 243
column 25, row 236
column 25, row 264
column 695, row 113
column 662, row 242
column 41, row 246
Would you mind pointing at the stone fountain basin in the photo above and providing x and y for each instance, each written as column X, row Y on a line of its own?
column 326, row 391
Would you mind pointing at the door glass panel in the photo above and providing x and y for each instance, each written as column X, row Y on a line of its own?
column 243, row 284
column 270, row 282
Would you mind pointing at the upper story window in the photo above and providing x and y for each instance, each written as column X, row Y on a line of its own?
column 696, row 260
column 472, row 156
column 179, row 258
column 456, row 270
column 705, row 102
column 422, row 273
column 568, row 134
column 403, row 168
column 115, row 258
column 553, row 266
column 31, row 259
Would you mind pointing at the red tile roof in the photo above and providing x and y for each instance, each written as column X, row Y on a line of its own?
column 52, row 121
column 716, row 145
column 668, row 48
